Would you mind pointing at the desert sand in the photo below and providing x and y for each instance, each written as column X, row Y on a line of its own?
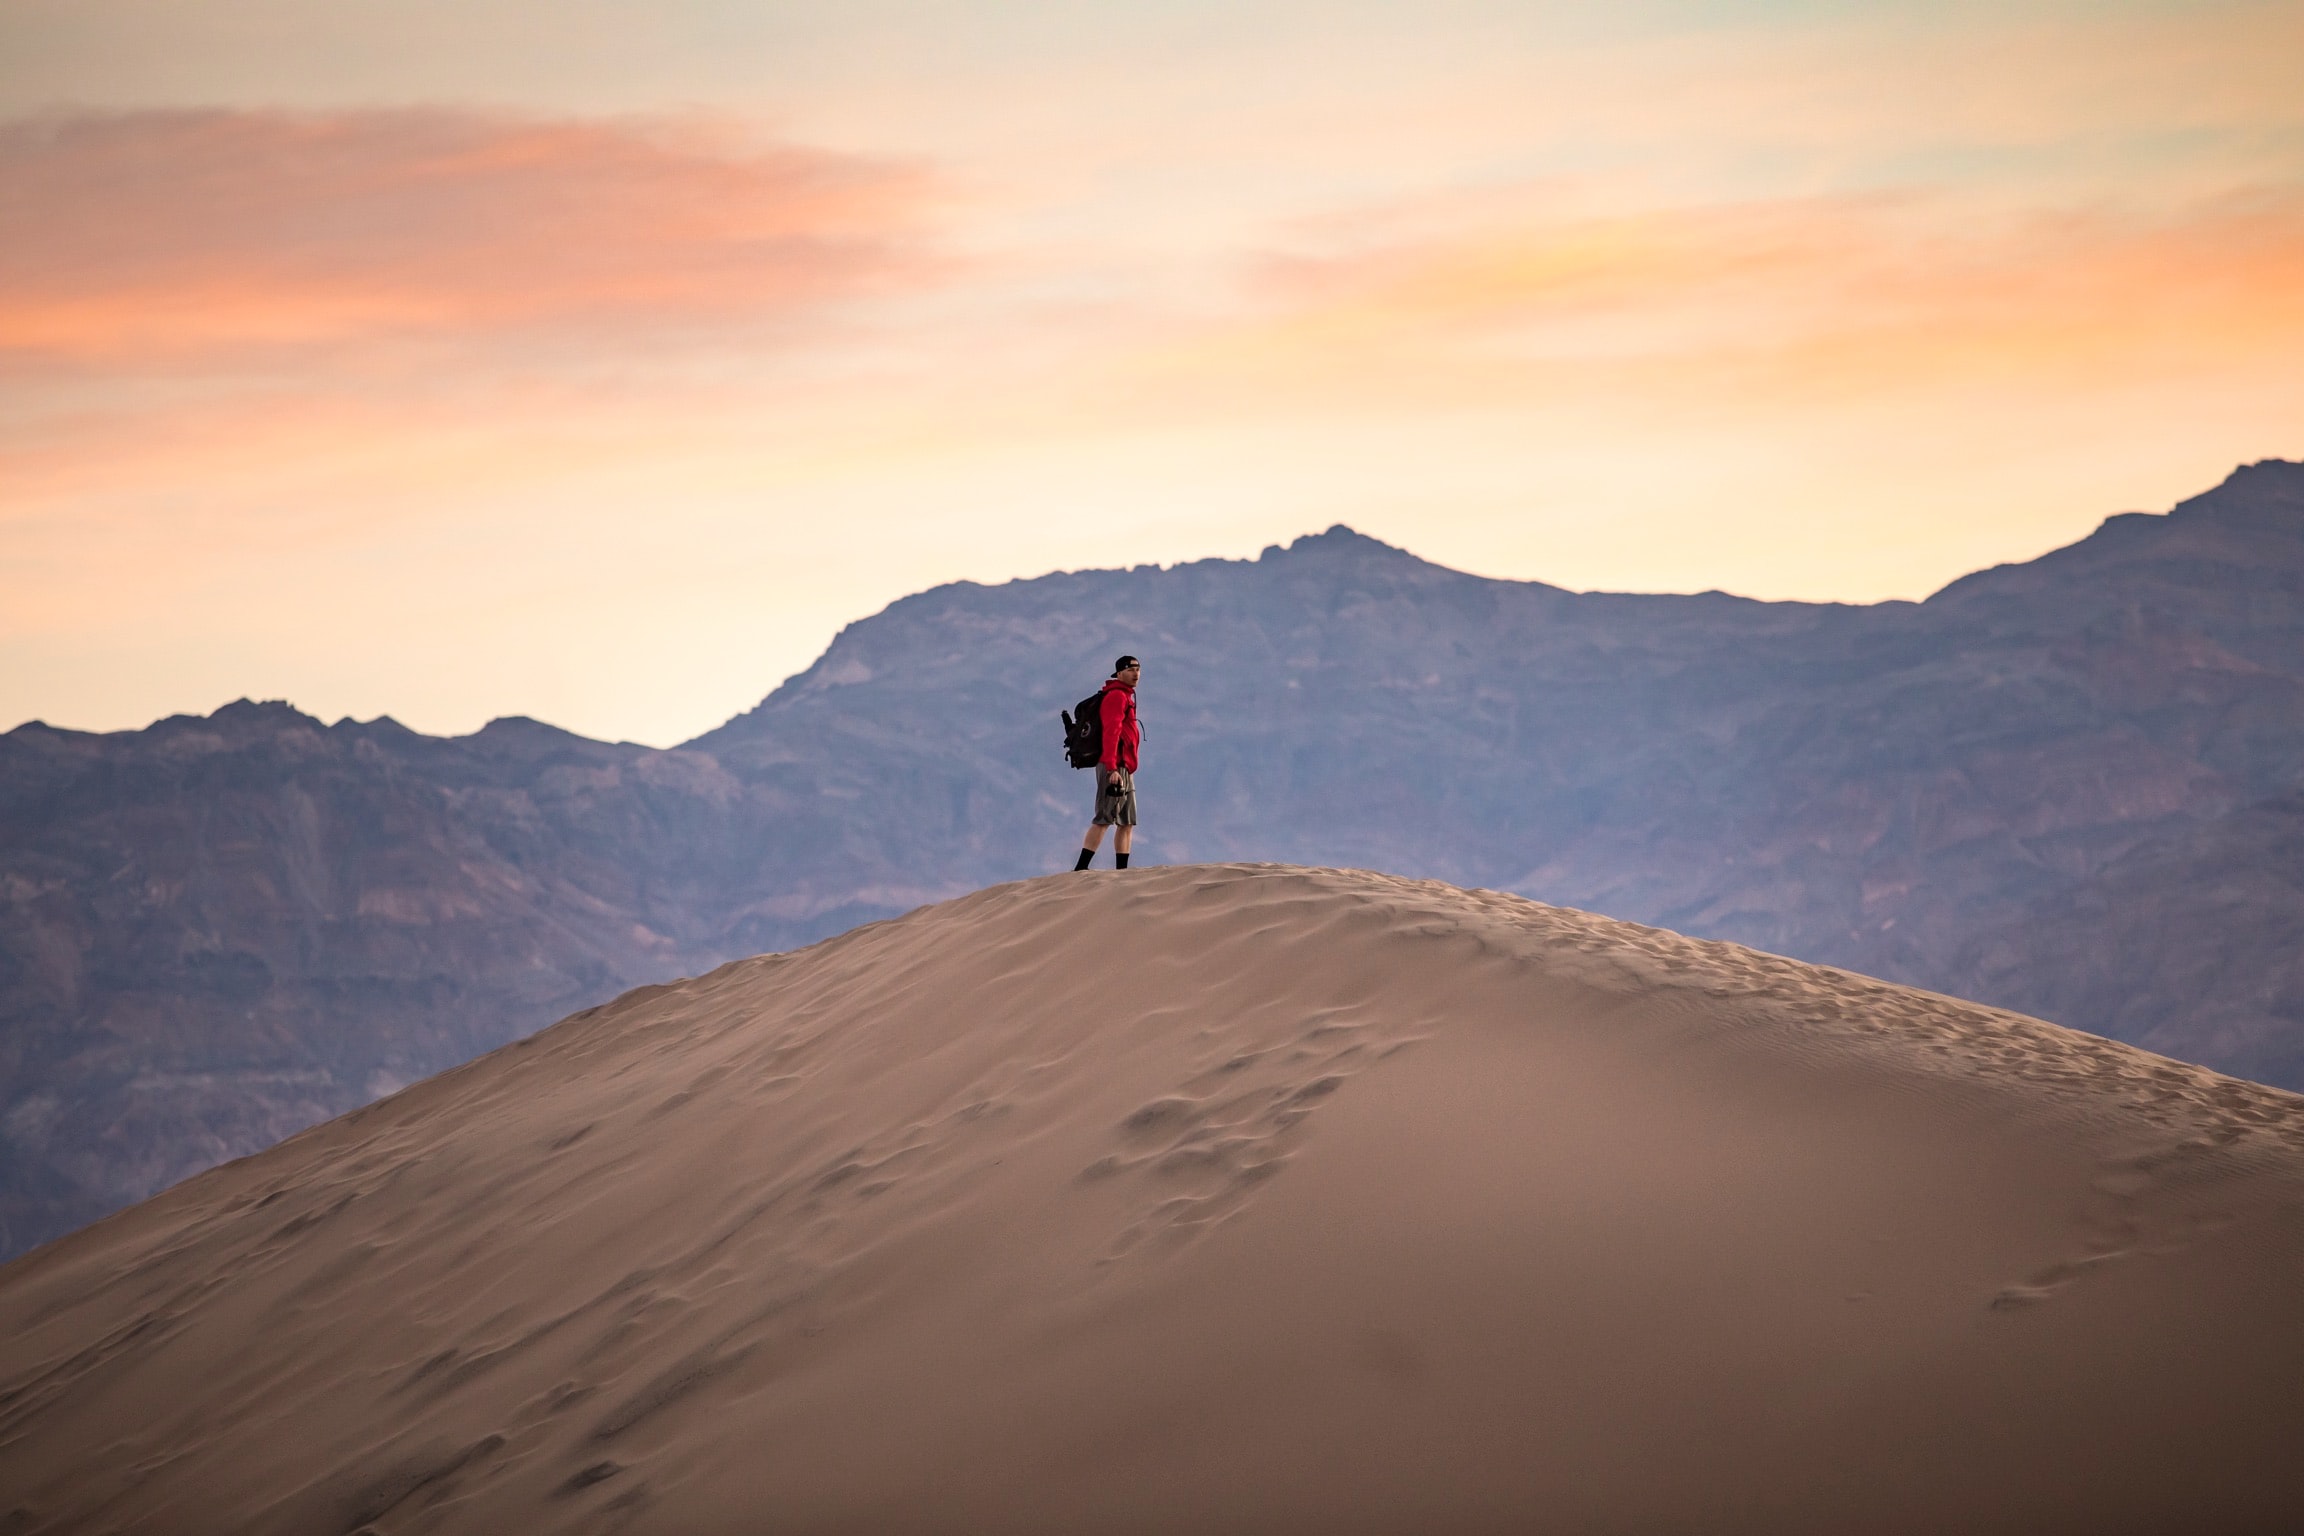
column 1210, row 1199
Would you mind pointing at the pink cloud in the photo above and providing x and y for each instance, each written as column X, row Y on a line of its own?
column 157, row 234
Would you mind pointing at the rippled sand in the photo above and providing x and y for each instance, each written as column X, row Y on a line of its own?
column 1209, row 1199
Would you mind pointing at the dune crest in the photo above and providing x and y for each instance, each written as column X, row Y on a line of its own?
column 1219, row 1198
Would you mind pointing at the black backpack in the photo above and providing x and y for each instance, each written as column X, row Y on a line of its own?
column 1084, row 731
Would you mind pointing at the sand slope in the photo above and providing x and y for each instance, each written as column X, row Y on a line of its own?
column 1228, row 1198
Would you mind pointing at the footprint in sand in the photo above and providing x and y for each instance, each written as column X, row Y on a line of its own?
column 1233, row 1126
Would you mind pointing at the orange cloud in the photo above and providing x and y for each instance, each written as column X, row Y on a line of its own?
column 1817, row 294
column 144, row 235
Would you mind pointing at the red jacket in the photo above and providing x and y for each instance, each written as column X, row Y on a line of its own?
column 1118, row 710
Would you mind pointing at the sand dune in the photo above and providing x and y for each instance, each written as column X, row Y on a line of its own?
column 1210, row 1199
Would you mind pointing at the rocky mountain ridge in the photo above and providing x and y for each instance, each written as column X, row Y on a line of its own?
column 2073, row 787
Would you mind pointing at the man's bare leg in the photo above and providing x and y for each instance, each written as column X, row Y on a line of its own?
column 1123, row 838
column 1095, row 838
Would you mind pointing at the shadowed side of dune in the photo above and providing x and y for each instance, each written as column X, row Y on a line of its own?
column 1226, row 1198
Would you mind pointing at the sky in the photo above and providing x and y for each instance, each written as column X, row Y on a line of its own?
column 597, row 361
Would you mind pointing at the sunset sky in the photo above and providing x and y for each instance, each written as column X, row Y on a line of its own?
column 598, row 360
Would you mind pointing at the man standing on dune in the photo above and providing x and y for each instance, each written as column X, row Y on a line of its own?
column 1116, row 769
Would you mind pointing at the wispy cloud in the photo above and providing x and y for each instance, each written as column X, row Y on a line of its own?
column 141, row 236
column 1812, row 296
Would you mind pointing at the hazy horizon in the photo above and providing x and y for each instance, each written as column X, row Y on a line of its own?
column 818, row 655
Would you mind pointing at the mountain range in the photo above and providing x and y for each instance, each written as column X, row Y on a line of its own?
column 2072, row 787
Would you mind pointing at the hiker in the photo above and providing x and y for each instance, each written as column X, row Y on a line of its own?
column 1115, row 765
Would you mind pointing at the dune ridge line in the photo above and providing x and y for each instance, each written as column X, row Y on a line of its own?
column 1210, row 1198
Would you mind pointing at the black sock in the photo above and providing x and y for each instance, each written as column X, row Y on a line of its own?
column 1119, row 861
column 1087, row 855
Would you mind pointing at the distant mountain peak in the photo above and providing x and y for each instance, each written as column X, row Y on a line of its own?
column 524, row 727
column 260, row 709
column 246, row 720
column 2266, row 489
column 1340, row 541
